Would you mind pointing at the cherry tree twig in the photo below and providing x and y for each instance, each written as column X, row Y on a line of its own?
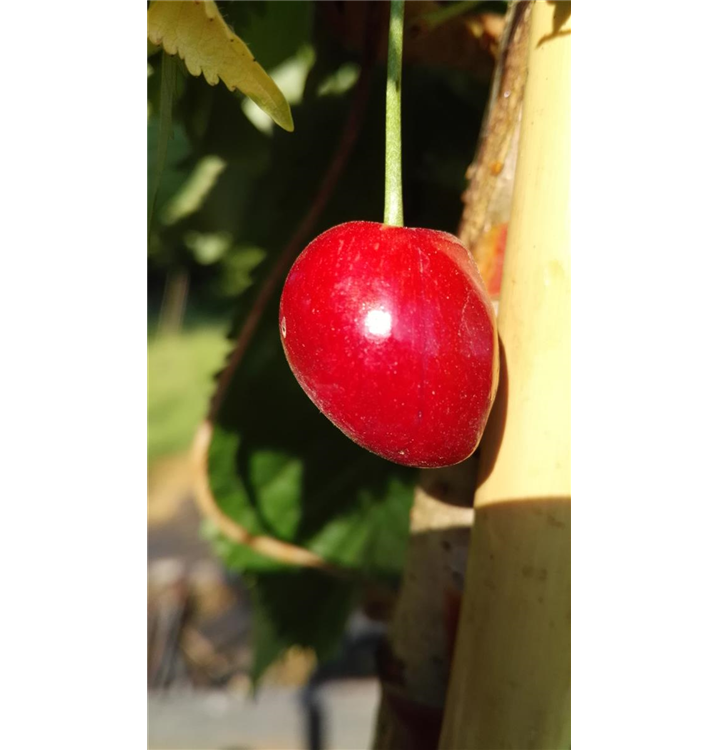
column 265, row 545
column 499, row 131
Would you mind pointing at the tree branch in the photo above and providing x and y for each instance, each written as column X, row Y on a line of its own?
column 487, row 200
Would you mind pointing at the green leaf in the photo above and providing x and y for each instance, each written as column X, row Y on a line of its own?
column 197, row 33
column 278, row 479
column 240, row 266
column 297, row 608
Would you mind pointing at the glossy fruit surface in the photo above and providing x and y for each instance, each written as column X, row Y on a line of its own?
column 390, row 332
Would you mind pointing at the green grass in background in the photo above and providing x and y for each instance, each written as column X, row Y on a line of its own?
column 180, row 380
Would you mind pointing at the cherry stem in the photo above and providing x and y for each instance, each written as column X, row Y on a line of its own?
column 393, row 203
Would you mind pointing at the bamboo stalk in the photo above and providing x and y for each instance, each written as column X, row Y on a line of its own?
column 510, row 682
column 415, row 662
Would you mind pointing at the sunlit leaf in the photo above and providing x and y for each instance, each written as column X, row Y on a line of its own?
column 197, row 32
column 292, row 75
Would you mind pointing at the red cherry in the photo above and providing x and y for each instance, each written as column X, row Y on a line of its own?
column 391, row 333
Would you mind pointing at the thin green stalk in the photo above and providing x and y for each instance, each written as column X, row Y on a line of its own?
column 167, row 89
column 393, row 203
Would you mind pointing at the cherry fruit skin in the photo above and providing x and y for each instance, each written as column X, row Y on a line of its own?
column 391, row 334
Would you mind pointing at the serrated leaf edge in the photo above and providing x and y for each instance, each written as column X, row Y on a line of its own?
column 212, row 12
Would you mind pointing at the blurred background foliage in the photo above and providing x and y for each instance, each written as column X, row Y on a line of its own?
column 233, row 190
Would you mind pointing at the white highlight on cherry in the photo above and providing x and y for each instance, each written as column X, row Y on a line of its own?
column 378, row 323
